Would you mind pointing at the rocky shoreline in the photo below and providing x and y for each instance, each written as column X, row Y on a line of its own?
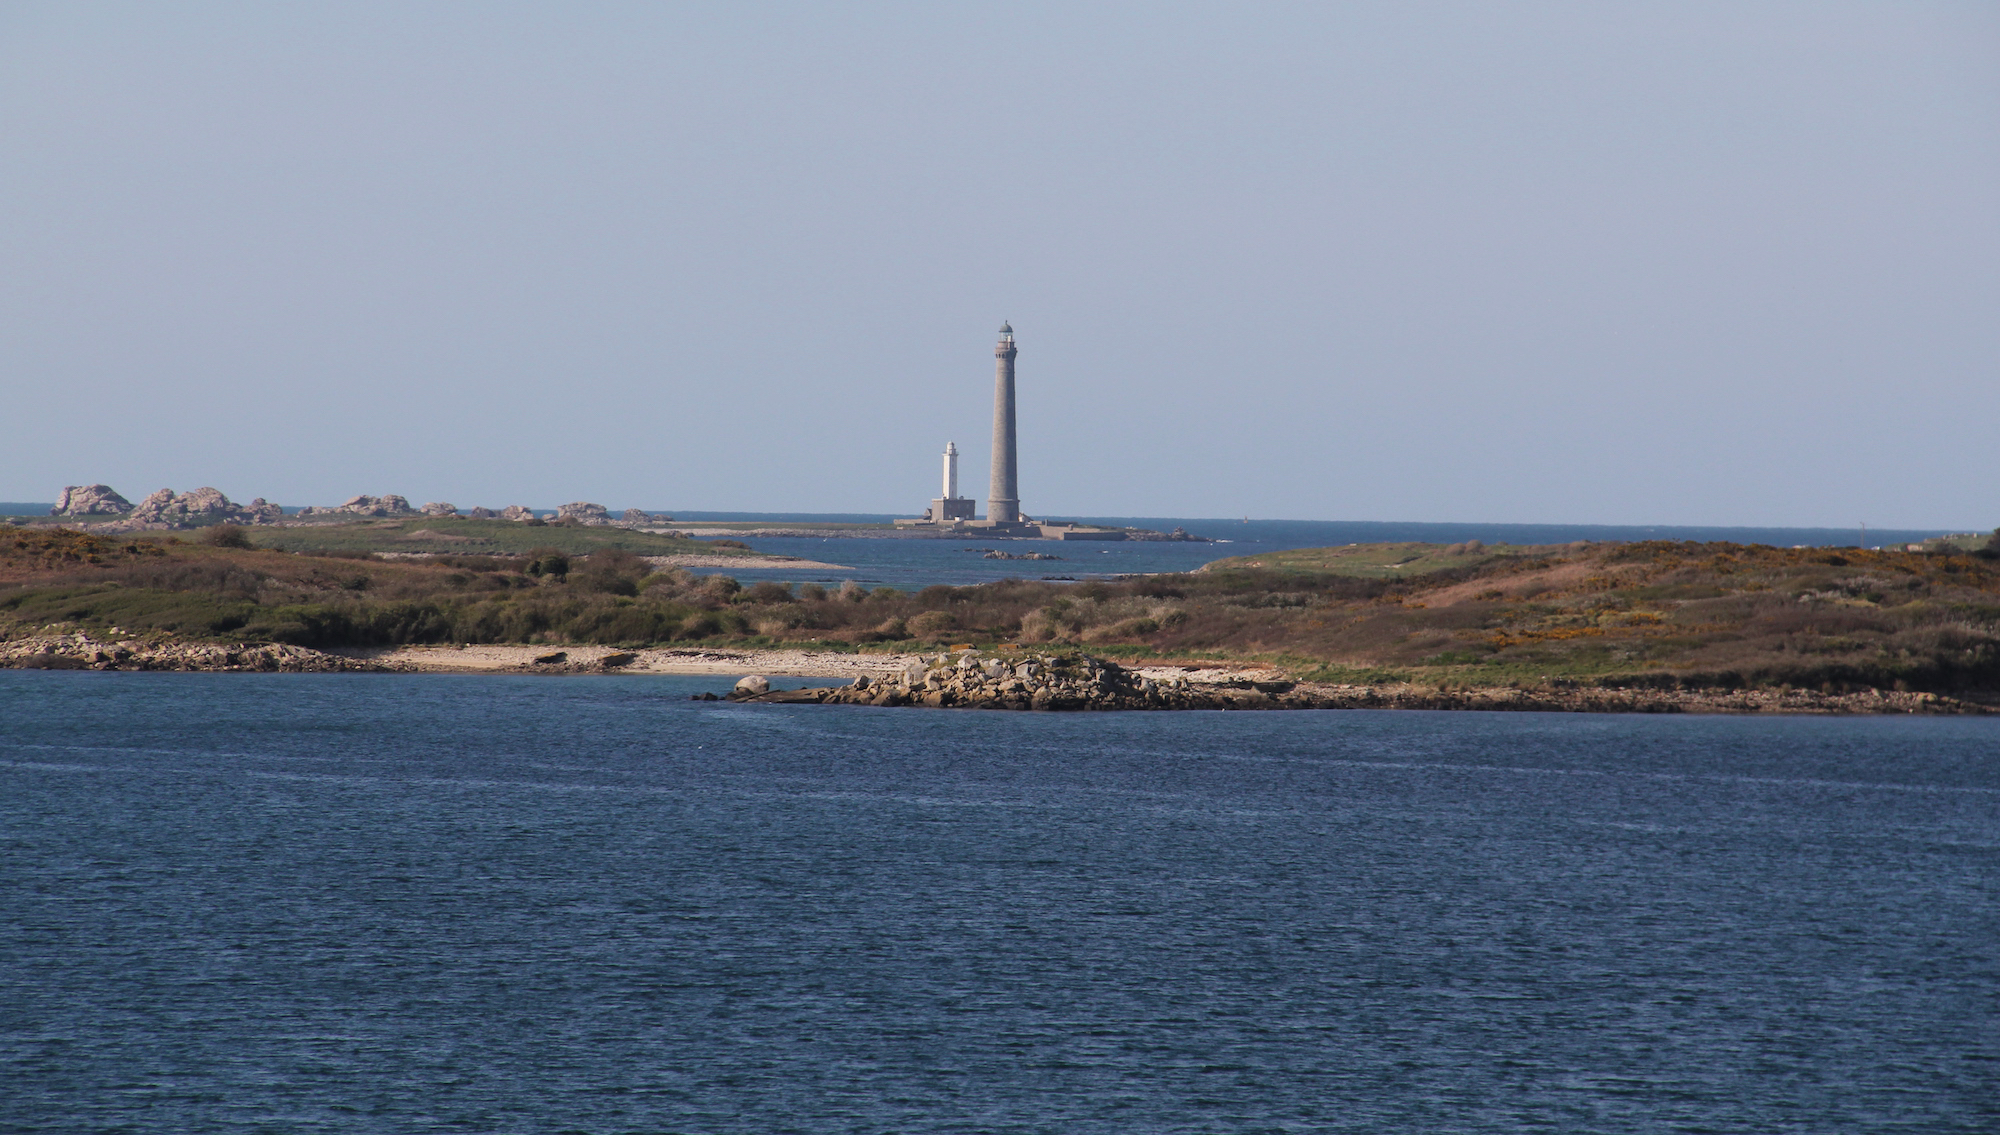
column 964, row 680
column 1078, row 682
column 83, row 652
column 166, row 510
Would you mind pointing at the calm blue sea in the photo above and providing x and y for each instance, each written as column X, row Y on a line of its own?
column 379, row 903
column 910, row 564
column 914, row 564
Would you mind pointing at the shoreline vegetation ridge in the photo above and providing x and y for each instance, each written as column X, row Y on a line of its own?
column 1651, row 626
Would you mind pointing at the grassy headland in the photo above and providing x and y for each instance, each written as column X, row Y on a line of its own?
column 1657, row 614
column 462, row 534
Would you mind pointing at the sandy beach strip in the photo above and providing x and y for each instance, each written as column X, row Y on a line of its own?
column 786, row 563
column 484, row 659
column 686, row 560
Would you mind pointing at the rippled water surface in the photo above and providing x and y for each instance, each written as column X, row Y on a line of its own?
column 917, row 563
column 433, row 903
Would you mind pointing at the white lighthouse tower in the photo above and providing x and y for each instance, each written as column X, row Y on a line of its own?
column 950, row 507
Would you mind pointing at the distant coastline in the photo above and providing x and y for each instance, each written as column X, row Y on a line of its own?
column 1299, row 533
column 1652, row 626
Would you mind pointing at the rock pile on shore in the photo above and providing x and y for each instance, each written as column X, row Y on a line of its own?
column 1025, row 681
column 202, row 506
column 85, row 652
column 90, row 500
column 364, row 505
column 164, row 509
column 167, row 509
column 971, row 680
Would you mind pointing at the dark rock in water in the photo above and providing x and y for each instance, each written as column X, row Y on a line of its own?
column 997, row 554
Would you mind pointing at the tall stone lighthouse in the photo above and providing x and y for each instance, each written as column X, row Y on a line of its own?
column 953, row 513
column 1003, row 500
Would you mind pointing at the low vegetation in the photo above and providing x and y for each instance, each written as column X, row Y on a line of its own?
column 488, row 537
column 1658, row 614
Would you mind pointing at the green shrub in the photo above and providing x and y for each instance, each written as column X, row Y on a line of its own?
column 227, row 536
column 768, row 591
column 547, row 562
column 931, row 624
column 705, row 624
column 612, row 571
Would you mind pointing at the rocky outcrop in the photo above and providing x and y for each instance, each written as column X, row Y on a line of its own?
column 90, row 500
column 975, row 680
column 158, row 508
column 640, row 518
column 260, row 511
column 518, row 512
column 996, row 554
column 391, row 505
column 584, row 512
column 440, row 508
column 202, row 506
column 971, row 680
column 97, row 652
column 482, row 513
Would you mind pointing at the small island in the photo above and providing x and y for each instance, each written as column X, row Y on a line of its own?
column 1652, row 626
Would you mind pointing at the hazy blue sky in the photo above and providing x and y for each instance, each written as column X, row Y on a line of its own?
column 1730, row 263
